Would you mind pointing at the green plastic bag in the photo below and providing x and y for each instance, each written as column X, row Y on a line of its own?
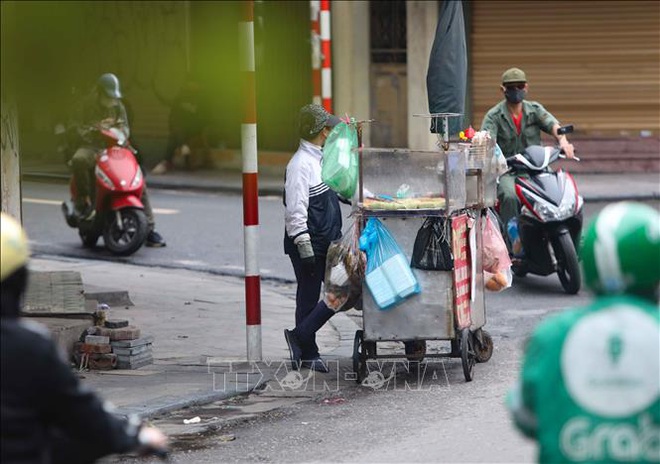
column 340, row 160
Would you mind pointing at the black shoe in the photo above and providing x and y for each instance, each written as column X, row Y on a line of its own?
column 316, row 364
column 294, row 349
column 155, row 240
column 85, row 212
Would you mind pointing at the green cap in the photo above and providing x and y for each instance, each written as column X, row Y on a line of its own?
column 513, row 75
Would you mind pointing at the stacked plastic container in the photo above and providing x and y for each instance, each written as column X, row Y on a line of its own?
column 389, row 277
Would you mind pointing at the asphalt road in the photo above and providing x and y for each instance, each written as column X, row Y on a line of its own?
column 440, row 419
column 203, row 231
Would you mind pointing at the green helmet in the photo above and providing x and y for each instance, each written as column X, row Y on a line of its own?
column 621, row 250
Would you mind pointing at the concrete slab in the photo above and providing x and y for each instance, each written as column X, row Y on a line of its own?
column 54, row 292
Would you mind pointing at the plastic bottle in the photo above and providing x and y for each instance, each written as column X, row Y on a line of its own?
column 514, row 236
column 403, row 191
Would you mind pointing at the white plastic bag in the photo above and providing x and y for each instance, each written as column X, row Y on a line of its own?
column 496, row 261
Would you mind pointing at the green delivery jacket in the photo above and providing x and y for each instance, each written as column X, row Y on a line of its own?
column 590, row 384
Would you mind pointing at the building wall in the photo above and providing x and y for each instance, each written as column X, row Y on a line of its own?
column 422, row 20
column 592, row 63
column 350, row 32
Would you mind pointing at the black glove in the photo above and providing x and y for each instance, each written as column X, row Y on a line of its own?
column 306, row 252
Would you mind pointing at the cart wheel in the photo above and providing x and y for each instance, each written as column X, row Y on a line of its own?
column 359, row 357
column 484, row 348
column 467, row 353
column 369, row 349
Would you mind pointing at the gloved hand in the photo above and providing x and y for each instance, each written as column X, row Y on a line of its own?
column 306, row 252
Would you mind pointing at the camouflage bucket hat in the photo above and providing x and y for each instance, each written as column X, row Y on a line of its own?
column 313, row 118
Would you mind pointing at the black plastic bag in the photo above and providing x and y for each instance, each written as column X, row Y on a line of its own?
column 431, row 251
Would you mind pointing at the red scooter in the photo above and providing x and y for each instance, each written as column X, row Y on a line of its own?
column 120, row 216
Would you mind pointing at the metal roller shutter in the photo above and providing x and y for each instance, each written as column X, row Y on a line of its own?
column 593, row 63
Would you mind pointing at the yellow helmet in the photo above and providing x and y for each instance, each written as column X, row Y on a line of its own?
column 15, row 250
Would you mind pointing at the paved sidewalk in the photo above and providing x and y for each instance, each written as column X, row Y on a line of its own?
column 593, row 187
column 198, row 322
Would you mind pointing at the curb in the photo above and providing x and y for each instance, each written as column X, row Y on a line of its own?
column 155, row 183
column 270, row 190
column 109, row 297
column 166, row 404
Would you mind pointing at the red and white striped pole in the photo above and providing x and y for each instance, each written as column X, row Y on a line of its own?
column 315, row 8
column 326, row 73
column 250, row 185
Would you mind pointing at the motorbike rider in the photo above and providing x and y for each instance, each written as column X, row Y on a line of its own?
column 516, row 123
column 102, row 108
column 589, row 388
column 46, row 414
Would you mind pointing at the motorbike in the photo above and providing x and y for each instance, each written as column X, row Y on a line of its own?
column 120, row 216
column 550, row 221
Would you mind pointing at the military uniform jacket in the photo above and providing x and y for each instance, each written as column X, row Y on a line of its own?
column 90, row 112
column 534, row 120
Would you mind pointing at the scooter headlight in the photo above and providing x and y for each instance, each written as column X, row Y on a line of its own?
column 547, row 212
column 104, row 178
column 137, row 179
column 550, row 213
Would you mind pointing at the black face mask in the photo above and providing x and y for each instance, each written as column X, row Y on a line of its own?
column 514, row 95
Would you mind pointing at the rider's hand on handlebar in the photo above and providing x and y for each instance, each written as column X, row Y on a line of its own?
column 152, row 441
column 568, row 150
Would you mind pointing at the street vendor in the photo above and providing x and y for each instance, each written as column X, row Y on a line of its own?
column 515, row 124
column 312, row 219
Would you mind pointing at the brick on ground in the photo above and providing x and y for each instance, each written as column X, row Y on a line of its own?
column 92, row 348
column 132, row 354
column 98, row 361
column 147, row 339
column 124, row 333
column 97, row 339
column 116, row 323
column 133, row 351
column 135, row 364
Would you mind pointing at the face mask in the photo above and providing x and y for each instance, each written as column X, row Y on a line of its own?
column 514, row 95
column 109, row 102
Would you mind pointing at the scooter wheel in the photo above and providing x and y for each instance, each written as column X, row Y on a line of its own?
column 568, row 267
column 127, row 237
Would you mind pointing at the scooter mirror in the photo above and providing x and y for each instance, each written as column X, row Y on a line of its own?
column 565, row 130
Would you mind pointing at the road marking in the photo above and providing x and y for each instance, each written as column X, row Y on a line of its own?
column 40, row 201
column 165, row 211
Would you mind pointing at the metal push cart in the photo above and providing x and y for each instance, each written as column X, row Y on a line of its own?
column 450, row 306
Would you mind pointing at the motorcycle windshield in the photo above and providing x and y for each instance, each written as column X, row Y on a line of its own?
column 547, row 185
column 539, row 156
